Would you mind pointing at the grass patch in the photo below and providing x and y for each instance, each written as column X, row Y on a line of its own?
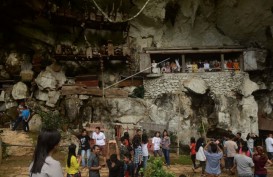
column 182, row 160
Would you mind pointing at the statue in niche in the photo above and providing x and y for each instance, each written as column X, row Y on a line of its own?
column 155, row 69
column 89, row 53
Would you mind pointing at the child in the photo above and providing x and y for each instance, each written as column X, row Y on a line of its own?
column 193, row 152
column 128, row 166
column 25, row 117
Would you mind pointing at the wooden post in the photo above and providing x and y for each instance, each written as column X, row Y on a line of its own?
column 1, row 150
column 222, row 62
column 183, row 64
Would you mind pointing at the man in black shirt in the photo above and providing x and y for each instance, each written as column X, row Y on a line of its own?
column 115, row 166
column 85, row 146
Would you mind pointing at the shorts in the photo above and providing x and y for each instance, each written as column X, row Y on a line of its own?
column 103, row 150
column 229, row 162
column 270, row 155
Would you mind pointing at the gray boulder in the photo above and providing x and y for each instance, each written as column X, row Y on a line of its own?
column 19, row 91
column 196, row 85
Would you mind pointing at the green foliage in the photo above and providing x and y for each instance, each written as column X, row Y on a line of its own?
column 52, row 120
column 139, row 92
column 155, row 169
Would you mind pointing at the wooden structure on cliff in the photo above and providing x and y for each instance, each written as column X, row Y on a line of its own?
column 246, row 57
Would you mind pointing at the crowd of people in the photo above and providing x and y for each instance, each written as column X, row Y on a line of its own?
column 173, row 66
column 229, row 153
column 129, row 158
column 232, row 154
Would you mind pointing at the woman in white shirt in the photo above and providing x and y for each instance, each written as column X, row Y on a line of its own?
column 200, row 155
column 43, row 164
column 156, row 144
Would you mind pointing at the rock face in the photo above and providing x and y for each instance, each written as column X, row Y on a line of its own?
column 19, row 91
column 35, row 123
column 248, row 87
column 196, row 85
column 46, row 81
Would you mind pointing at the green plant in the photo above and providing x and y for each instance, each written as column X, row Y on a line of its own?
column 139, row 92
column 155, row 169
column 52, row 120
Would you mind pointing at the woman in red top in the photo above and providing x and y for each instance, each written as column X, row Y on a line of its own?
column 260, row 160
column 193, row 152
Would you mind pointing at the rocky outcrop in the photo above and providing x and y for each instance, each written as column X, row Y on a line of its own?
column 46, row 81
column 19, row 91
column 248, row 87
column 35, row 123
column 196, row 85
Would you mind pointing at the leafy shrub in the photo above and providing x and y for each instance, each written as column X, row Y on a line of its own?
column 138, row 92
column 52, row 120
column 155, row 169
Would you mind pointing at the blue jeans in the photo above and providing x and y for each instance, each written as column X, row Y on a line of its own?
column 166, row 153
column 260, row 175
column 83, row 156
column 145, row 159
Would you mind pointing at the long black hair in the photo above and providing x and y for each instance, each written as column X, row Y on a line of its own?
column 48, row 139
column 71, row 152
column 200, row 142
column 144, row 138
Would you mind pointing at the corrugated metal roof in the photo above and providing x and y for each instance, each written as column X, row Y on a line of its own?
column 265, row 124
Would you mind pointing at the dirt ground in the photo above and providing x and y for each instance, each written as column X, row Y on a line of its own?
column 17, row 162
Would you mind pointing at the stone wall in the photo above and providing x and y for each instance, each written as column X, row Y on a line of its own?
column 217, row 83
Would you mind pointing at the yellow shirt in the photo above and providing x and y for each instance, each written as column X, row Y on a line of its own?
column 74, row 166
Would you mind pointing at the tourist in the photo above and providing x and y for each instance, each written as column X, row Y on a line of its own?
column 99, row 139
column 250, row 142
column 115, row 166
column 230, row 148
column 72, row 163
column 213, row 159
column 166, row 142
column 123, row 149
column 144, row 148
column 127, row 138
column 94, row 162
column 19, row 119
column 239, row 138
column 43, row 164
column 25, row 118
column 156, row 141
column 137, row 155
column 242, row 144
column 128, row 166
column 85, row 146
column 269, row 146
column 193, row 152
column 243, row 163
column 260, row 160
column 200, row 155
